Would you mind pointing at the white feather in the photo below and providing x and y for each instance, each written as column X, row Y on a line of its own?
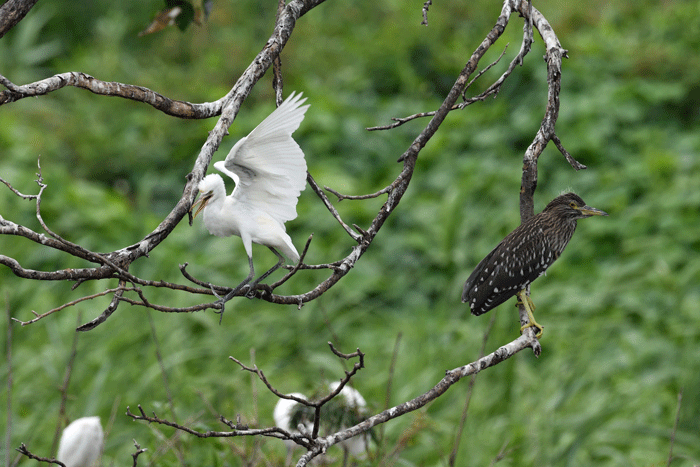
column 269, row 170
column 81, row 443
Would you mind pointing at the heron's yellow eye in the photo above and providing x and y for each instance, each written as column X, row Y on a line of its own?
column 572, row 205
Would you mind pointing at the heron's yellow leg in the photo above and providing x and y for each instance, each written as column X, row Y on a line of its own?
column 525, row 301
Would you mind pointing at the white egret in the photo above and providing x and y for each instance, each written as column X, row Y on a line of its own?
column 345, row 410
column 81, row 443
column 354, row 410
column 283, row 414
column 269, row 170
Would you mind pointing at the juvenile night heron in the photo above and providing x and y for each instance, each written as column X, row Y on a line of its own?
column 524, row 255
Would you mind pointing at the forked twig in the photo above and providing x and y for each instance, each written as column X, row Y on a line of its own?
column 23, row 450
column 334, row 212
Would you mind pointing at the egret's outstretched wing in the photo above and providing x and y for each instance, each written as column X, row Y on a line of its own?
column 268, row 166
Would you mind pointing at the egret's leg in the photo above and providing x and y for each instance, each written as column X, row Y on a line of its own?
column 251, row 291
column 525, row 301
column 232, row 293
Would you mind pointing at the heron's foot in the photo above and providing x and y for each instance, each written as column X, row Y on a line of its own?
column 221, row 302
column 252, row 291
column 533, row 324
column 529, row 301
column 526, row 301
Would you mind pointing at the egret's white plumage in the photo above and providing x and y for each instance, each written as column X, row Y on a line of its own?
column 354, row 402
column 347, row 409
column 269, row 170
column 283, row 413
column 81, row 443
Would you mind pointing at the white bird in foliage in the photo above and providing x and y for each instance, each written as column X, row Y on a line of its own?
column 269, row 170
column 347, row 409
column 354, row 410
column 285, row 414
column 81, row 443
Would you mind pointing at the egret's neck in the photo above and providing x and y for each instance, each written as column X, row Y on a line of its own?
column 214, row 214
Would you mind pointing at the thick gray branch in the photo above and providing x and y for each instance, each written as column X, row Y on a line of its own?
column 104, row 88
column 12, row 12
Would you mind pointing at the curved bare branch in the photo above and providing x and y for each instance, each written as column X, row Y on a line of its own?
column 81, row 80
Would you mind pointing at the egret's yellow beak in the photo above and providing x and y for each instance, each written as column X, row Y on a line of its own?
column 202, row 202
column 589, row 211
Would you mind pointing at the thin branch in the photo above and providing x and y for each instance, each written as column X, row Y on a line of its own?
column 502, row 453
column 138, row 452
column 23, row 450
column 69, row 304
column 491, row 90
column 296, row 267
column 15, row 191
column 574, row 163
column 341, row 197
column 317, row 189
column 166, row 309
column 111, row 308
column 273, row 432
column 426, row 6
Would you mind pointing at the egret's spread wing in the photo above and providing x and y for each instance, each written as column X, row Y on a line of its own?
column 268, row 165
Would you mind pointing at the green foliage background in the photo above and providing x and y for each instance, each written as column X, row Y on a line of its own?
column 621, row 307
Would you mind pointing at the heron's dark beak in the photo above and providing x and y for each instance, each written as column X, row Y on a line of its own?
column 202, row 202
column 589, row 211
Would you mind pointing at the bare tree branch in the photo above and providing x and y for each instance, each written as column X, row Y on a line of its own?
column 136, row 454
column 315, row 445
column 12, row 12
column 426, row 7
column 81, row 80
column 23, row 449
column 574, row 163
column 341, row 197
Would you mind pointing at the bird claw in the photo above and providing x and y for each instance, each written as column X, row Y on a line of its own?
column 535, row 325
column 221, row 302
column 526, row 302
column 250, row 293
column 222, row 305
